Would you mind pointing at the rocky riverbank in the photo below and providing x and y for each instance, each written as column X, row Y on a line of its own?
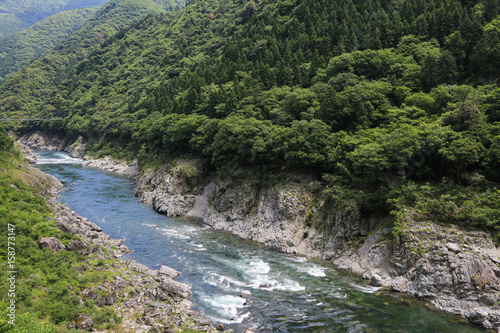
column 107, row 164
column 146, row 300
column 456, row 271
column 76, row 149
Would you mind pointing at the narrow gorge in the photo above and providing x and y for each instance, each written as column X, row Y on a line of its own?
column 453, row 270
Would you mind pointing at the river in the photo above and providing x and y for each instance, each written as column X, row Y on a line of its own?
column 285, row 293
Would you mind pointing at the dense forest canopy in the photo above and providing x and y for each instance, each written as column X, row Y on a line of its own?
column 31, row 43
column 16, row 15
column 390, row 103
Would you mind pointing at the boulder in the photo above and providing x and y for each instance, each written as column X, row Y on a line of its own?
column 175, row 288
column 79, row 246
column 83, row 322
column 52, row 243
column 168, row 272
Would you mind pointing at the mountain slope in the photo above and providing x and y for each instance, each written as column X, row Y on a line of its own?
column 390, row 109
column 17, row 15
column 21, row 48
column 25, row 90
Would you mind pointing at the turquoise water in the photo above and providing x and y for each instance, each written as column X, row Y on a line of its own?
column 285, row 293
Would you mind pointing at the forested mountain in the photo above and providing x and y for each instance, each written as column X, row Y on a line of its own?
column 21, row 48
column 391, row 104
column 16, row 15
column 27, row 89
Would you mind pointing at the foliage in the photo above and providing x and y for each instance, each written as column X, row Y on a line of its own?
column 24, row 46
column 47, row 284
column 16, row 15
column 378, row 94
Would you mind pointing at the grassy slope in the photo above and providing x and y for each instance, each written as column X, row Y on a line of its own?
column 43, row 302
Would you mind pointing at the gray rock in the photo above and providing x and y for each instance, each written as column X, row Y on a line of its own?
column 175, row 288
column 173, row 205
column 52, row 243
column 79, row 246
column 84, row 322
column 168, row 272
column 453, row 247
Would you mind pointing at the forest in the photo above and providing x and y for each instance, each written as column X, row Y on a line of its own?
column 390, row 104
column 21, row 48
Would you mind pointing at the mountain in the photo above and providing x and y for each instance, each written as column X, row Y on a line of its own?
column 34, row 82
column 17, row 15
column 24, row 46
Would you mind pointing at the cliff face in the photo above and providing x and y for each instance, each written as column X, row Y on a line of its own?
column 274, row 217
column 172, row 189
column 457, row 271
column 40, row 140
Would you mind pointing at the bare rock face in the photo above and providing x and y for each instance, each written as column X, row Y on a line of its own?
column 28, row 153
column 448, row 267
column 173, row 205
column 172, row 189
column 275, row 217
column 175, row 288
column 52, row 243
column 77, row 148
column 41, row 140
column 79, row 246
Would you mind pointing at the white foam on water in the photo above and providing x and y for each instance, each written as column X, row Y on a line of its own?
column 59, row 158
column 173, row 233
column 224, row 282
column 258, row 275
column 228, row 308
column 366, row 289
column 313, row 270
column 256, row 267
column 198, row 247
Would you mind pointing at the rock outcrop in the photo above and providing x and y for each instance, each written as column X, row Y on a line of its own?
column 41, row 140
column 275, row 217
column 28, row 153
column 52, row 243
column 457, row 271
column 172, row 189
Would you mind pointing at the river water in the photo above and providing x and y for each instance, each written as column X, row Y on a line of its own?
column 285, row 293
